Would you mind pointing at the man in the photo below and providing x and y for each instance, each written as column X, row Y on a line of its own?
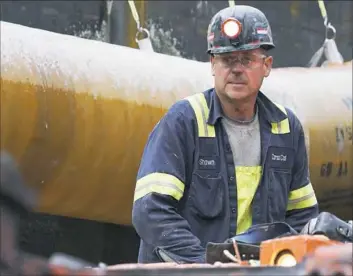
column 225, row 159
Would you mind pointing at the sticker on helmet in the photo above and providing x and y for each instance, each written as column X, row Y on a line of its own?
column 210, row 37
column 231, row 27
column 262, row 31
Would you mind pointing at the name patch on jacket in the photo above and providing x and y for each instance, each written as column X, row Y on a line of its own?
column 208, row 163
column 280, row 157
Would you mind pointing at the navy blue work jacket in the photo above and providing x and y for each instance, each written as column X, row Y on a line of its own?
column 186, row 175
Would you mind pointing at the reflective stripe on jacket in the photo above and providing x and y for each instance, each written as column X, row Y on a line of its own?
column 187, row 177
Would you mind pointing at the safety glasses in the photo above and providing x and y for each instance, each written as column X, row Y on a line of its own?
column 249, row 61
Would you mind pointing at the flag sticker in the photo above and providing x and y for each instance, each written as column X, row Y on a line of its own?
column 262, row 31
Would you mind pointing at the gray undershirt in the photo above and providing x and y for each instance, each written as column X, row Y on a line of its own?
column 244, row 140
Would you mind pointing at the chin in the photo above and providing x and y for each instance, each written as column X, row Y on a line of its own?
column 238, row 93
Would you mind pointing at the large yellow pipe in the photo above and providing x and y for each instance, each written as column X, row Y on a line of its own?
column 76, row 114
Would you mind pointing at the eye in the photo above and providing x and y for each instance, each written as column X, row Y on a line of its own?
column 246, row 60
column 227, row 60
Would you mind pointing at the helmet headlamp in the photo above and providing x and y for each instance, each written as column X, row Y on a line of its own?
column 231, row 27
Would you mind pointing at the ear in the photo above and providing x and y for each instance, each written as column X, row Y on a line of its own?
column 268, row 65
column 212, row 65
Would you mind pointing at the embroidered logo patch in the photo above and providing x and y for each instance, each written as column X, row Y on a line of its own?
column 280, row 157
column 208, row 163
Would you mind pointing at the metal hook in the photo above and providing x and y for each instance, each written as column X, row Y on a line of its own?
column 141, row 30
column 326, row 21
column 330, row 27
column 138, row 26
column 144, row 43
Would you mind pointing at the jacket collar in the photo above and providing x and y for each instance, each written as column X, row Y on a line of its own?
column 267, row 109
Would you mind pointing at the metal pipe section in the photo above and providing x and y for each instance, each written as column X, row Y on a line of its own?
column 76, row 114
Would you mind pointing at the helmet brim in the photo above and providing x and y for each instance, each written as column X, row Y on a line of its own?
column 246, row 47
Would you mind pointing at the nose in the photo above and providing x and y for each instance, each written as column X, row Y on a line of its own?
column 237, row 67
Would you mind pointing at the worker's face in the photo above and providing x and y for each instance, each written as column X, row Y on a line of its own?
column 239, row 75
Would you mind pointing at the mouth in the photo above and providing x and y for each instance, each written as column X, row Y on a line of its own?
column 237, row 83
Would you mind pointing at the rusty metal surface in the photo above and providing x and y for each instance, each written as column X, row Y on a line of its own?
column 328, row 260
column 77, row 121
column 193, row 270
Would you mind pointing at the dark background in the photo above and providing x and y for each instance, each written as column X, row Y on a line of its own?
column 177, row 28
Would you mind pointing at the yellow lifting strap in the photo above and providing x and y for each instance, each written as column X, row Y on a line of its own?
column 329, row 48
column 201, row 110
column 109, row 11
column 323, row 10
column 231, row 3
column 144, row 44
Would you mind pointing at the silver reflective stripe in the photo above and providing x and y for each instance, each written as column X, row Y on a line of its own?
column 294, row 201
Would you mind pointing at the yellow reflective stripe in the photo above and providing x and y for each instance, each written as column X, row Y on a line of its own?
column 199, row 105
column 210, row 130
column 281, row 127
column 302, row 198
column 248, row 179
column 160, row 183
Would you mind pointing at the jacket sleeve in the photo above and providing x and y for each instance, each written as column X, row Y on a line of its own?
column 302, row 203
column 161, row 181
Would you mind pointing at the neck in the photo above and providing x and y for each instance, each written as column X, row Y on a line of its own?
column 239, row 111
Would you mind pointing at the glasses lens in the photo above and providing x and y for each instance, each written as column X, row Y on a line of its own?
column 248, row 61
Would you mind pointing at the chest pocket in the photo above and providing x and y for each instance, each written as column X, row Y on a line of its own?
column 280, row 162
column 280, row 158
column 206, row 190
